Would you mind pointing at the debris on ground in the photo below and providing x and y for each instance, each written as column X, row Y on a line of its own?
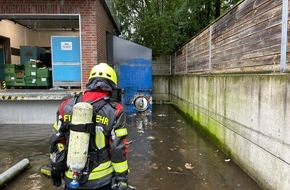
column 154, row 166
column 188, row 166
column 151, row 138
column 161, row 115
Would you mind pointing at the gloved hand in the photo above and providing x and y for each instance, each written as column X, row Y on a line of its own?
column 122, row 185
column 56, row 178
column 119, row 185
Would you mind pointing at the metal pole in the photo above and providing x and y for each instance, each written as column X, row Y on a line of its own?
column 13, row 171
column 284, row 36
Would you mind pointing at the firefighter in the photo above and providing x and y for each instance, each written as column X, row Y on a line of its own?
column 106, row 166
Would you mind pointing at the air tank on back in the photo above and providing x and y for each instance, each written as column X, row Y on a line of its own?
column 79, row 140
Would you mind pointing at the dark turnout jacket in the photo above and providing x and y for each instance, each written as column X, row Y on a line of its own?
column 108, row 143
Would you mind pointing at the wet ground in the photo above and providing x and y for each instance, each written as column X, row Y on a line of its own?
column 166, row 153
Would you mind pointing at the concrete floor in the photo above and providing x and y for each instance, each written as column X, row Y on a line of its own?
column 166, row 153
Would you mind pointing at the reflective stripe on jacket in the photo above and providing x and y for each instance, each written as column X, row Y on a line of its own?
column 108, row 148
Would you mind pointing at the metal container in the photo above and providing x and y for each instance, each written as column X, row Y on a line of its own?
column 66, row 61
column 30, row 52
column 133, row 64
column 135, row 80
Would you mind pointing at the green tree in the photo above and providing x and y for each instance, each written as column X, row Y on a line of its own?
column 164, row 25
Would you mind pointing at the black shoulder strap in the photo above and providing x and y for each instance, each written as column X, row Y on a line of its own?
column 100, row 103
column 77, row 97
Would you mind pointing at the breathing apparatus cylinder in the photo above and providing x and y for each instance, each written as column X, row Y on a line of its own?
column 79, row 141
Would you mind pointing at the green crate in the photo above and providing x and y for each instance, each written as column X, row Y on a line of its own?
column 9, row 74
column 19, row 73
column 30, row 81
column 44, row 73
column 29, row 85
column 10, row 78
column 30, row 64
column 9, row 65
column 19, row 67
column 9, row 69
column 19, row 81
column 13, row 70
column 33, row 64
column 43, row 81
column 30, row 71
column 10, row 83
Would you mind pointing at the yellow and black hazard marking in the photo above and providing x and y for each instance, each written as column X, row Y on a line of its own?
column 3, row 84
column 14, row 98
column 34, row 96
column 10, row 97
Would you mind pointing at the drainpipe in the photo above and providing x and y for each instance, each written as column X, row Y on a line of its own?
column 13, row 171
column 284, row 36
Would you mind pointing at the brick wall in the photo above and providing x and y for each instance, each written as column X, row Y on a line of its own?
column 94, row 24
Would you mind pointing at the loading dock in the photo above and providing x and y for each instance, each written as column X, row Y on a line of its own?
column 34, row 23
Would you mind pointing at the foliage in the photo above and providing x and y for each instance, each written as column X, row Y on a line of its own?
column 164, row 25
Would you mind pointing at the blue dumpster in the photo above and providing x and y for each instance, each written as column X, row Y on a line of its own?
column 133, row 64
column 135, row 80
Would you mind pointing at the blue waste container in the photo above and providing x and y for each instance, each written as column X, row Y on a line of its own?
column 133, row 64
column 135, row 82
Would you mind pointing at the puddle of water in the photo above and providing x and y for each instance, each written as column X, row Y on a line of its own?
column 25, row 141
column 162, row 145
column 171, row 154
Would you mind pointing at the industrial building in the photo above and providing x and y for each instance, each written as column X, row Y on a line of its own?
column 54, row 44
column 28, row 28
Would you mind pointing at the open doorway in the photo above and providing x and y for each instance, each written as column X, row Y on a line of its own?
column 2, row 60
column 30, row 39
column 5, row 57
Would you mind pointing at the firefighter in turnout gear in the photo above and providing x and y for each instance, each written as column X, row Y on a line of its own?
column 106, row 164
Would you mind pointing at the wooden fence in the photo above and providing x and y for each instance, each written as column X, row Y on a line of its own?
column 252, row 37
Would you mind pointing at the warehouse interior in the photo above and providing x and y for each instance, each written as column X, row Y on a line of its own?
column 26, row 47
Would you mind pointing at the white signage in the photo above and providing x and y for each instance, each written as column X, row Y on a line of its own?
column 66, row 46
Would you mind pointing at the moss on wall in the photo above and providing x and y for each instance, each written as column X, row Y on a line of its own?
column 213, row 131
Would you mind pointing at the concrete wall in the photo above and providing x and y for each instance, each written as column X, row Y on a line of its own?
column 246, row 115
column 28, row 112
column 17, row 35
column 43, row 38
column 161, row 88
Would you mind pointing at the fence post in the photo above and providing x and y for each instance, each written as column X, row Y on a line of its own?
column 170, row 60
column 186, row 58
column 210, row 47
column 284, row 36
